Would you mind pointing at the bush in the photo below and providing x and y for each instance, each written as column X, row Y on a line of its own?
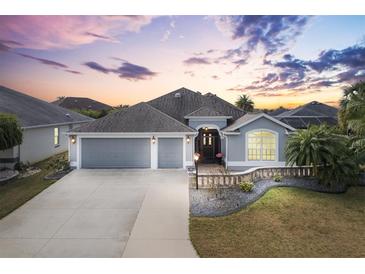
column 277, row 178
column 10, row 132
column 20, row 166
column 59, row 164
column 247, row 186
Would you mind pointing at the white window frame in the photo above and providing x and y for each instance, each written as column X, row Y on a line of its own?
column 58, row 136
column 276, row 135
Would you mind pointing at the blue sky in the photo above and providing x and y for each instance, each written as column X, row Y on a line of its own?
column 277, row 60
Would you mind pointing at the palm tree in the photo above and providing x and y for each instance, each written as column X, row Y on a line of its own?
column 244, row 102
column 329, row 153
column 314, row 146
column 352, row 109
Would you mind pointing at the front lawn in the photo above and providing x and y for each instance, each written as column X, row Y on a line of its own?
column 16, row 192
column 287, row 222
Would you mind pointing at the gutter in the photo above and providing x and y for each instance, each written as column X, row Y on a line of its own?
column 57, row 124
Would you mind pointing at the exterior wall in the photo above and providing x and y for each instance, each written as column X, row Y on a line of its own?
column 197, row 122
column 237, row 145
column 38, row 143
column 8, row 157
column 189, row 150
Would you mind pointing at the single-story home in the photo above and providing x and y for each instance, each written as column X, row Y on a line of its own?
column 44, row 127
column 166, row 132
column 81, row 103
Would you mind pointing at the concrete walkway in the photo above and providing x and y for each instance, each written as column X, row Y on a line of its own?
column 103, row 213
column 162, row 225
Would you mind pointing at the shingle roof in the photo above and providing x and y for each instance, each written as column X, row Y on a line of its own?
column 81, row 103
column 314, row 108
column 277, row 111
column 205, row 112
column 251, row 117
column 181, row 102
column 313, row 113
column 138, row 118
column 32, row 112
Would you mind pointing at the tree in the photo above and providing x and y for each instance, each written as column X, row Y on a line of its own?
column 352, row 110
column 327, row 151
column 10, row 132
column 244, row 102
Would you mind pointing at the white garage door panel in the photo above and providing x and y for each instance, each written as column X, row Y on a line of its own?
column 116, row 153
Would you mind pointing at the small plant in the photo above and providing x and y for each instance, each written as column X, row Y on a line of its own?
column 247, row 186
column 277, row 178
column 21, row 167
column 59, row 164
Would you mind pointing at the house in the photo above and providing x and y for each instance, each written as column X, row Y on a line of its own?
column 313, row 113
column 44, row 126
column 166, row 132
column 81, row 103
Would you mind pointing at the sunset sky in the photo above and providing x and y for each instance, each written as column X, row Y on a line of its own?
column 277, row 60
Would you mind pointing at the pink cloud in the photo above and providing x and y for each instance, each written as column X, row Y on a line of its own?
column 53, row 32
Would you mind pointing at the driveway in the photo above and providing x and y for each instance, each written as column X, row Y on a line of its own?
column 103, row 213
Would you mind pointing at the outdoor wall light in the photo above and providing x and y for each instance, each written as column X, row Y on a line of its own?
column 153, row 139
column 188, row 139
column 205, row 128
column 73, row 139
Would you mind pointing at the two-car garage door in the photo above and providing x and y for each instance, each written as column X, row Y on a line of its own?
column 116, row 153
column 130, row 153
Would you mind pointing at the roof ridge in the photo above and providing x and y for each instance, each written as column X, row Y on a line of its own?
column 202, row 107
column 163, row 113
column 232, row 105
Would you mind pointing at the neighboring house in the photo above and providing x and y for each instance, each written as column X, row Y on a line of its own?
column 81, row 103
column 167, row 131
column 44, row 127
column 313, row 113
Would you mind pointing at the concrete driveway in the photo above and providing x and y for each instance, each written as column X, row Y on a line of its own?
column 103, row 213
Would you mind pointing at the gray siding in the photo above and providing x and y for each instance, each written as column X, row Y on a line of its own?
column 170, row 152
column 115, row 153
column 236, row 143
column 194, row 123
column 38, row 143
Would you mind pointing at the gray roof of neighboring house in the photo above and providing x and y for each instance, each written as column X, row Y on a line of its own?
column 32, row 112
column 181, row 102
column 277, row 111
column 313, row 113
column 205, row 112
column 81, row 103
column 314, row 109
column 138, row 118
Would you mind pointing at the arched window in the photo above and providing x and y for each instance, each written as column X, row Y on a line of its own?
column 261, row 146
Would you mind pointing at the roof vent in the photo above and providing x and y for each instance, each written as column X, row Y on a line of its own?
column 314, row 103
column 177, row 95
column 68, row 115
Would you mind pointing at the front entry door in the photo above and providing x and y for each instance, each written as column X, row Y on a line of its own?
column 208, row 147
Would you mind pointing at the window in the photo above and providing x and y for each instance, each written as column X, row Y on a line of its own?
column 261, row 146
column 56, row 136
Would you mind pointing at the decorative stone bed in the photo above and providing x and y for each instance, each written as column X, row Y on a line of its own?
column 8, row 174
column 224, row 201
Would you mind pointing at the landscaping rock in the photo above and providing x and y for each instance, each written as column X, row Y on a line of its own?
column 8, row 174
column 224, row 201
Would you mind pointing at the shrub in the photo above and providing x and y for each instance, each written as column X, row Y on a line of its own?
column 277, row 178
column 20, row 166
column 59, row 164
column 247, row 186
column 10, row 132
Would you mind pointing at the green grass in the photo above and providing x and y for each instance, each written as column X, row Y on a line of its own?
column 16, row 192
column 287, row 222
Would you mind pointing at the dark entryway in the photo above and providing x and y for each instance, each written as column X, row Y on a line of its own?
column 208, row 144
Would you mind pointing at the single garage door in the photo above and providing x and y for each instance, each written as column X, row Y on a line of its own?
column 170, row 152
column 116, row 153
